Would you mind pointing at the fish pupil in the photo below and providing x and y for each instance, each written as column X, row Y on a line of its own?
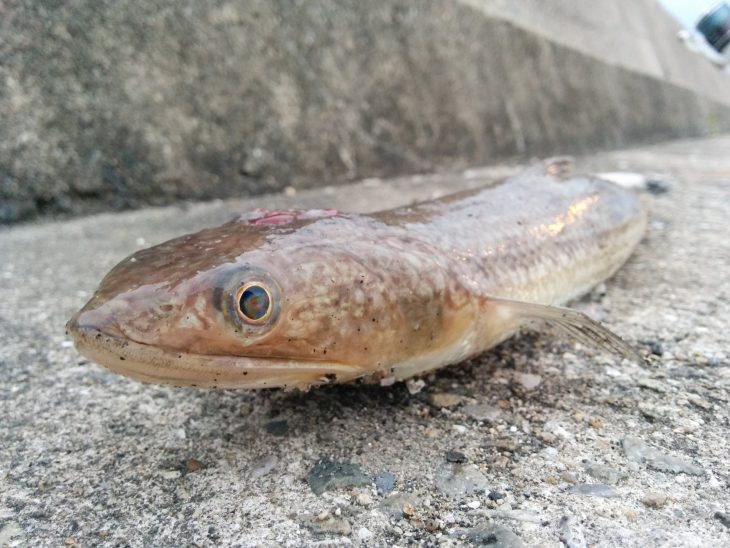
column 254, row 302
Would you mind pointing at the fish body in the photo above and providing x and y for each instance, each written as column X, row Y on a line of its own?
column 299, row 298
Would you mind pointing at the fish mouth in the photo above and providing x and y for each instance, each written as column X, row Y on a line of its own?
column 151, row 364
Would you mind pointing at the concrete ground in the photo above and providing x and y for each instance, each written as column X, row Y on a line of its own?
column 537, row 443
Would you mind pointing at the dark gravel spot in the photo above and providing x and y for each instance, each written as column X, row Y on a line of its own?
column 456, row 456
column 723, row 518
column 278, row 428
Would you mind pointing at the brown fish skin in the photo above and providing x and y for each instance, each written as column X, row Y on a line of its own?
column 395, row 293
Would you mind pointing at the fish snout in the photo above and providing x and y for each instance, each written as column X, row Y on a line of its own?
column 94, row 320
column 118, row 317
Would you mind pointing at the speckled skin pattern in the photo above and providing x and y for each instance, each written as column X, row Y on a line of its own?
column 395, row 293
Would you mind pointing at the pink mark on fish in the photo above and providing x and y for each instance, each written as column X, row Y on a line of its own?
column 284, row 216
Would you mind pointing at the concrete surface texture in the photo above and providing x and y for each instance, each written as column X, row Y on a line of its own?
column 110, row 105
column 538, row 443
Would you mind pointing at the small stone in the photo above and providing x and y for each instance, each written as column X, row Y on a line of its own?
column 363, row 499
column 650, row 411
column 170, row 474
column 593, row 490
column 652, row 384
column 507, row 445
column 433, row 433
column 656, row 348
column 495, row 495
column 473, row 504
column 445, row 399
column 655, row 499
column 595, row 423
column 547, row 437
column 193, row 465
column 456, row 456
column 384, row 483
column 506, row 512
column 278, row 428
column 571, row 534
column 433, row 525
column 568, row 477
column 638, row 451
column 494, row 536
column 325, row 523
column 459, row 480
column 700, row 402
column 459, row 428
column 723, row 518
column 529, row 381
column 263, row 466
column 364, row 534
column 327, row 475
column 398, row 504
column 483, row 412
column 414, row 386
column 604, row 473
column 557, row 429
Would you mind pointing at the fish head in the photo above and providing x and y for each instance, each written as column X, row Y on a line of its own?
column 232, row 308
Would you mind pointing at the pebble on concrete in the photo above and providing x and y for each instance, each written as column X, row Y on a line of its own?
column 493, row 535
column 655, row 499
column 445, row 399
column 327, row 475
column 593, row 490
column 326, row 524
column 604, row 473
column 398, row 505
column 571, row 534
column 458, row 480
column 638, row 451
column 384, row 483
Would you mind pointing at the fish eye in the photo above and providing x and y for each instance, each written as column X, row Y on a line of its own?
column 254, row 303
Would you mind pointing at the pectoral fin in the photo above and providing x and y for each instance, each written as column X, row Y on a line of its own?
column 575, row 323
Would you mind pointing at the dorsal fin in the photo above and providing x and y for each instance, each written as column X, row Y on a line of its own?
column 559, row 167
column 283, row 216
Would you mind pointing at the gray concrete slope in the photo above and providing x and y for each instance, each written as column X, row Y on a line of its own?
column 642, row 37
column 110, row 105
column 559, row 442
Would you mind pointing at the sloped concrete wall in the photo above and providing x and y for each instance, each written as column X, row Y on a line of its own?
column 637, row 35
column 122, row 104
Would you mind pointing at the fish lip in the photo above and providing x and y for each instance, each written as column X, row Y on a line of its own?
column 150, row 364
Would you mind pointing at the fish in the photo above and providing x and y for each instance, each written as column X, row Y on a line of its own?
column 298, row 298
